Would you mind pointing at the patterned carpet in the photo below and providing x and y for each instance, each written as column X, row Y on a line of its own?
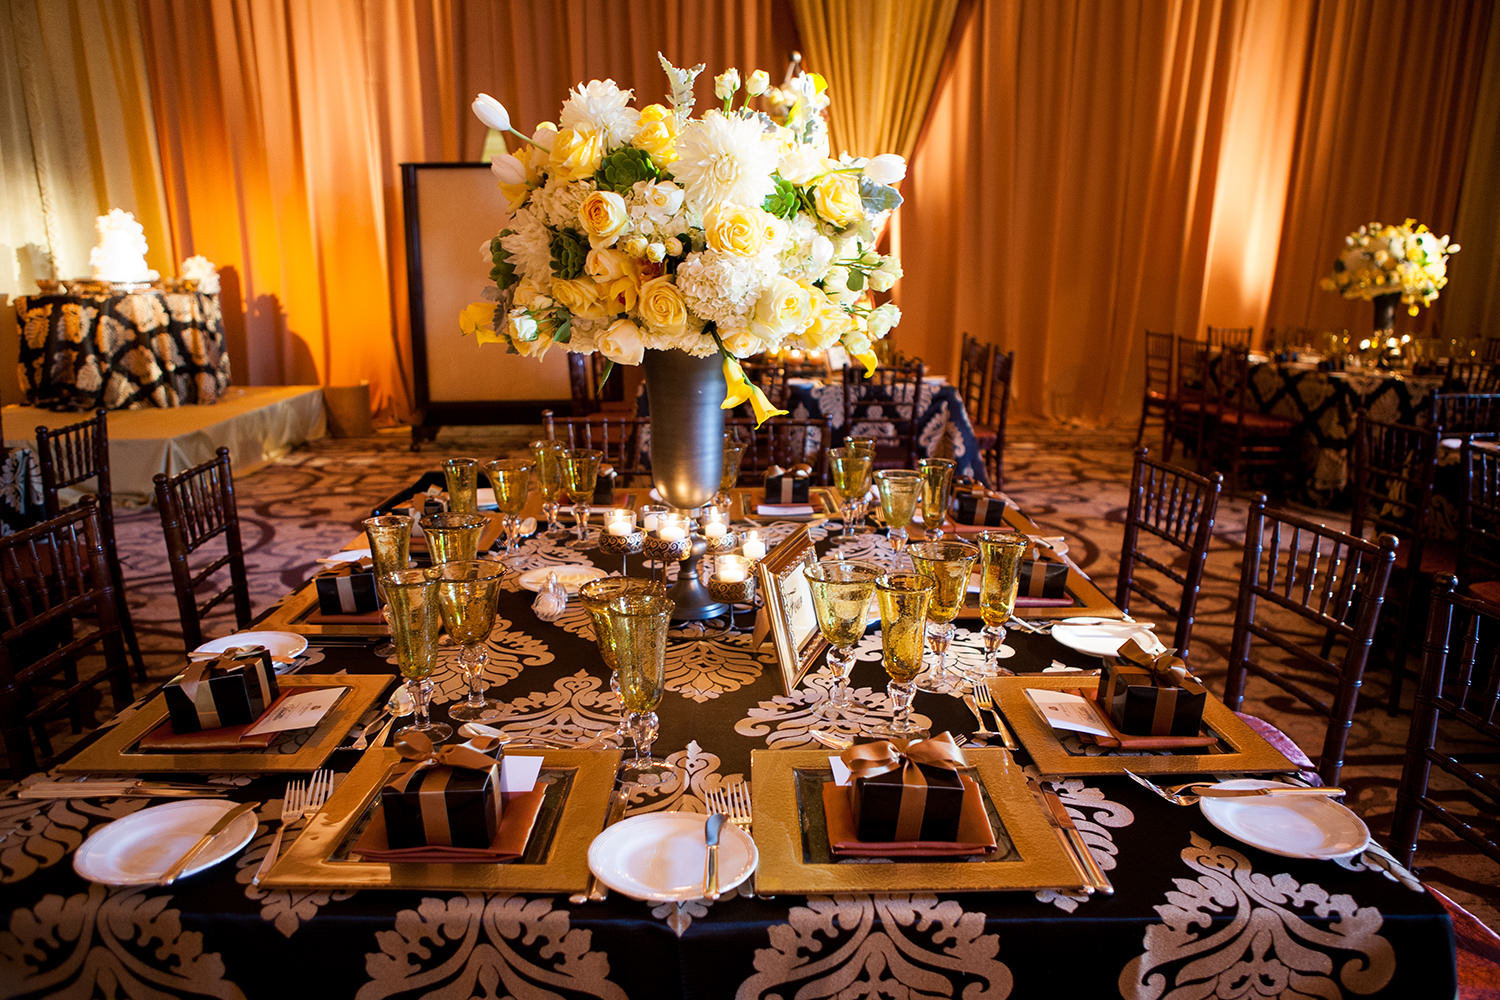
column 1071, row 482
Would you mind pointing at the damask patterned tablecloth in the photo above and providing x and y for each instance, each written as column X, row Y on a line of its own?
column 1195, row 913
column 20, row 489
column 122, row 351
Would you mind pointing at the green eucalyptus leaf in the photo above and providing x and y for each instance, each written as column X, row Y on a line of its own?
column 878, row 198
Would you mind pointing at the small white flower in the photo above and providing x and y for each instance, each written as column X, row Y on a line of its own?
column 655, row 252
column 887, row 169
column 726, row 83
column 883, row 319
column 674, row 247
column 662, row 201
column 491, row 112
column 508, row 170
column 820, row 255
column 757, row 83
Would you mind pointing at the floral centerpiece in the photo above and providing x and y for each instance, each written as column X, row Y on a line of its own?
column 1387, row 264
column 636, row 230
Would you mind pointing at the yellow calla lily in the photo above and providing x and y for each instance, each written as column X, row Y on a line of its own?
column 763, row 409
column 739, row 388
column 869, row 360
column 478, row 318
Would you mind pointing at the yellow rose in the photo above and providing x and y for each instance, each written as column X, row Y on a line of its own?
column 527, row 293
column 579, row 297
column 735, row 230
column 576, row 154
column 662, row 307
column 604, row 217
column 785, row 307
column 836, row 197
column 617, row 276
column 829, row 322
column 622, row 343
column 657, row 136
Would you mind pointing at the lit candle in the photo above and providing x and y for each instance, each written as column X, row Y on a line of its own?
column 732, row 569
column 754, row 548
column 714, row 529
column 651, row 515
column 669, row 532
column 620, row 522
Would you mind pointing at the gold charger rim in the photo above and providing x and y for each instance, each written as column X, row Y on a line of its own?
column 1044, row 863
column 1249, row 751
column 308, row 862
column 110, row 753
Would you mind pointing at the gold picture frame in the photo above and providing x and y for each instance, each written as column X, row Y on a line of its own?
column 112, row 752
column 1246, row 750
column 310, row 862
column 788, row 607
column 1034, row 859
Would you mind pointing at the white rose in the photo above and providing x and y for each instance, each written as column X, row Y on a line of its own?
column 742, row 343
column 655, row 252
column 801, row 164
column 726, row 83
column 887, row 168
column 880, row 281
column 856, row 343
column 521, row 325
column 662, row 201
column 883, row 319
column 622, row 343
column 491, row 112
column 836, row 280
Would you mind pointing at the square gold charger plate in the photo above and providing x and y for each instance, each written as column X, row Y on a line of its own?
column 824, row 502
column 579, row 783
column 791, row 834
column 115, row 751
column 1240, row 748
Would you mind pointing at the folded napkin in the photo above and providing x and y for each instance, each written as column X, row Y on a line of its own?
column 975, row 836
column 1022, row 601
column 516, row 820
column 163, row 737
column 784, row 509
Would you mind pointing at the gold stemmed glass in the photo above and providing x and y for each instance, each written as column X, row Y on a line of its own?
column 452, row 537
column 947, row 565
column 851, row 477
column 596, row 595
column 841, row 591
column 412, row 597
column 1000, row 557
column 390, row 550
column 937, row 493
column 468, row 591
column 636, row 627
column 900, row 489
column 511, row 479
column 734, row 455
column 580, row 468
column 463, row 485
column 904, row 598
column 548, row 457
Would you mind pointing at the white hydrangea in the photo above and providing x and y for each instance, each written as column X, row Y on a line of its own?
column 559, row 200
column 602, row 106
column 657, row 211
column 806, row 251
column 721, row 287
column 690, row 341
column 529, row 247
column 723, row 158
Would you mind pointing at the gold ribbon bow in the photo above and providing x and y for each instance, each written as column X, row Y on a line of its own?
column 867, row 760
column 422, row 752
column 200, row 667
column 1166, row 667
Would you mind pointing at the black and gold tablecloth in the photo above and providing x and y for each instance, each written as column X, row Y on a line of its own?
column 1195, row 913
column 122, row 351
column 20, row 489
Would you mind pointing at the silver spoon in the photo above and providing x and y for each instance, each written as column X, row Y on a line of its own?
column 400, row 704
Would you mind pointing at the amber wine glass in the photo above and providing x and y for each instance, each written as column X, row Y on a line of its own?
column 904, row 598
column 390, row 550
column 580, row 467
column 596, row 595
column 851, row 477
column 900, row 490
column 1000, row 557
column 734, row 456
column 468, row 592
column 511, row 479
column 548, row 457
column 937, row 493
column 412, row 597
column 636, row 626
column 841, row 592
column 452, row 537
column 948, row 565
column 463, row 485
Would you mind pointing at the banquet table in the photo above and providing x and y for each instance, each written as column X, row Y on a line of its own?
column 122, row 351
column 1195, row 913
column 944, row 429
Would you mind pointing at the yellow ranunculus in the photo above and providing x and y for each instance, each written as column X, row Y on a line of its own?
column 657, row 135
column 662, row 307
column 581, row 297
column 604, row 217
column 576, row 153
column 836, row 197
column 735, row 230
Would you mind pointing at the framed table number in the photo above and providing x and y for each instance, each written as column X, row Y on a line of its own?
column 789, row 608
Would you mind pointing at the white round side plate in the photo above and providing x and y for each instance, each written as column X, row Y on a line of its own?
column 1103, row 639
column 1293, row 826
column 283, row 645
column 347, row 555
column 137, row 849
column 571, row 577
column 660, row 856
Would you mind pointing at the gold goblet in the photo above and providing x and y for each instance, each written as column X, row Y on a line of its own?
column 452, row 537
column 511, row 480
column 900, row 489
column 596, row 595
column 734, row 455
column 947, row 565
column 636, row 626
column 851, row 477
column 937, row 493
column 1000, row 557
column 390, row 550
column 841, row 591
column 463, row 485
column 412, row 597
column 468, row 591
column 548, row 457
column 904, row 598
column 580, row 468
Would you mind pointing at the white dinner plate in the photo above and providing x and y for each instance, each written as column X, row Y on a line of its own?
column 348, row 555
column 282, row 645
column 571, row 577
column 139, row 848
column 1293, row 826
column 1103, row 638
column 660, row 856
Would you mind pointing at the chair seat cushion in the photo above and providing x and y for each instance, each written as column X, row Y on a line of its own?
column 1486, row 590
column 1260, row 423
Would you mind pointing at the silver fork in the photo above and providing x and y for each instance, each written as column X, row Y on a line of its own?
column 300, row 802
column 734, row 802
column 987, row 704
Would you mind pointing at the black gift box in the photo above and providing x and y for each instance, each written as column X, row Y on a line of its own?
column 347, row 589
column 436, row 805
column 788, row 487
column 604, row 486
column 233, row 689
column 1043, row 579
column 1143, row 701
column 979, row 508
column 877, row 801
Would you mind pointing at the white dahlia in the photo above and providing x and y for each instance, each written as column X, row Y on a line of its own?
column 721, row 158
column 602, row 106
column 529, row 247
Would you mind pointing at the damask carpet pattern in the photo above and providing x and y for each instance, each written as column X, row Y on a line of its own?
column 1073, row 483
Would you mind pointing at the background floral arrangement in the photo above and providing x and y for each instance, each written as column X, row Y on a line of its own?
column 735, row 232
column 1381, row 260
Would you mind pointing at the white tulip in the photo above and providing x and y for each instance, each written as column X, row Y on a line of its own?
column 726, row 83
column 491, row 112
column 887, row 169
column 757, row 83
column 508, row 170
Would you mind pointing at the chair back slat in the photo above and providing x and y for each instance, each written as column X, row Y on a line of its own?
column 1227, row 337
column 1472, row 375
column 1160, row 352
column 771, row 377
column 996, row 412
column 973, row 373
column 783, row 442
column 1459, row 414
column 1333, row 583
column 622, row 439
column 885, row 407
column 1395, row 466
column 196, row 507
column 1479, row 510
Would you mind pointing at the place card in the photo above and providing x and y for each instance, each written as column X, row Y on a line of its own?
column 1067, row 711
column 299, row 711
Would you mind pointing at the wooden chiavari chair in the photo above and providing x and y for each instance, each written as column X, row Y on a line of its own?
column 885, row 407
column 991, row 425
column 1242, row 437
column 786, row 443
column 1157, row 398
column 197, row 506
column 1459, row 414
column 1479, row 518
column 1193, row 401
column 622, row 439
column 1472, row 375
column 973, row 373
column 1223, row 338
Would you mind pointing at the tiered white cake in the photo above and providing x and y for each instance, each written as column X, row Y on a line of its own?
column 120, row 256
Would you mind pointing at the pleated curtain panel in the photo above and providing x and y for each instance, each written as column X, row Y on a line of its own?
column 1079, row 169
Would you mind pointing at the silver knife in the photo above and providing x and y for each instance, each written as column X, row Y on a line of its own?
column 117, row 789
column 711, row 829
column 1219, row 792
column 1099, row 882
column 596, row 890
column 171, row 874
column 1000, row 732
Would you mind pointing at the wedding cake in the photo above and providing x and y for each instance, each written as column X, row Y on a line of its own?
column 120, row 256
column 201, row 271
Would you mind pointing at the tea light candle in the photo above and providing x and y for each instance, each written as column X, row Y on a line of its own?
column 715, row 527
column 754, row 548
column 620, row 522
column 673, row 527
column 651, row 515
column 732, row 569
